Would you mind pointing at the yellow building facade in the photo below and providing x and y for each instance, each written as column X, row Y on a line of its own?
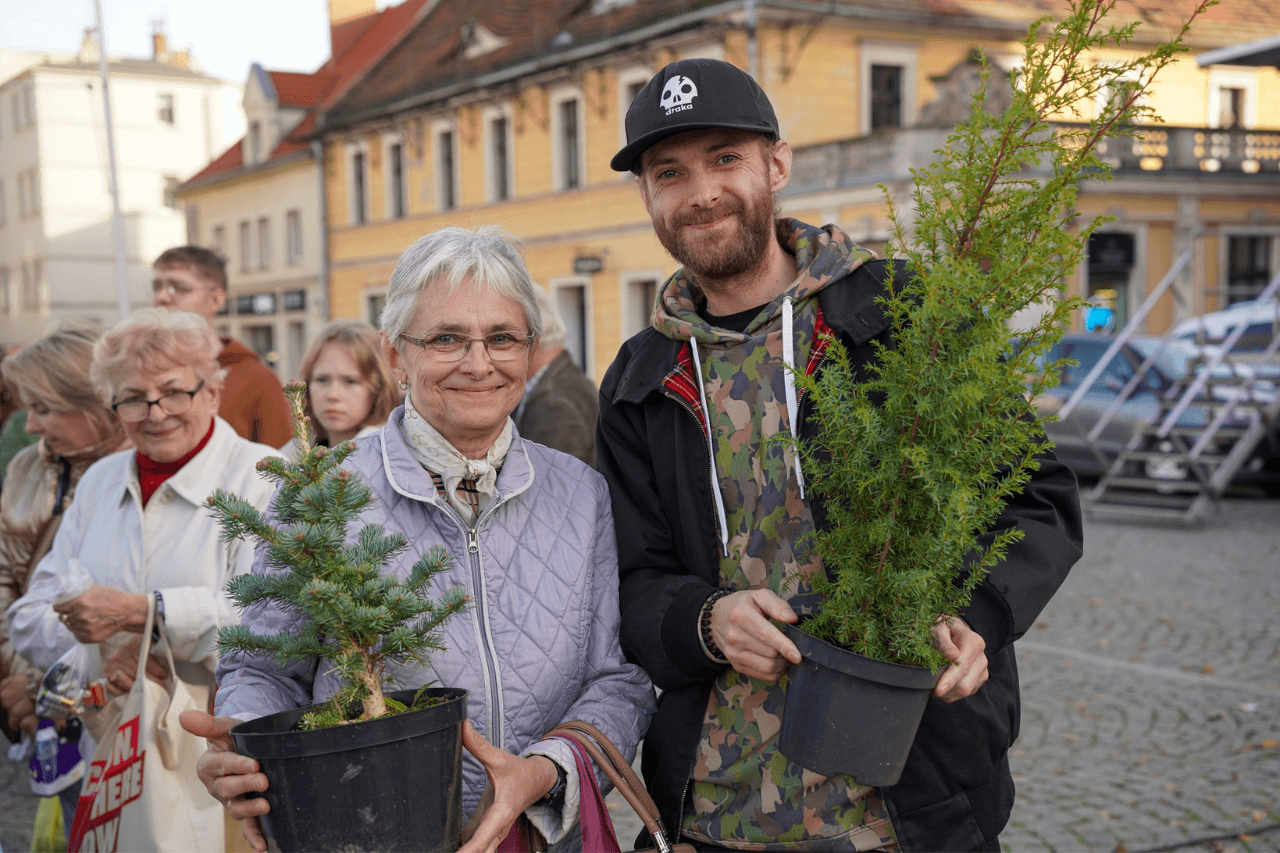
column 464, row 123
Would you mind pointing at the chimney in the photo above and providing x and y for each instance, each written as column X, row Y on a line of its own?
column 159, row 42
column 88, row 46
column 341, row 11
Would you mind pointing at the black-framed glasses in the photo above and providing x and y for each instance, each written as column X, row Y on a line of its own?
column 451, row 346
column 173, row 403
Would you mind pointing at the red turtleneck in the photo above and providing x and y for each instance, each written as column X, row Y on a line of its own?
column 151, row 473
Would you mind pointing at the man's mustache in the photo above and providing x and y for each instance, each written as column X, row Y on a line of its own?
column 710, row 214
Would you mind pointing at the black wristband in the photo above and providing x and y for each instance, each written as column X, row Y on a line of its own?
column 704, row 625
column 555, row 797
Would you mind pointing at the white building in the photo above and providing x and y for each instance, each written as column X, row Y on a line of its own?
column 57, row 256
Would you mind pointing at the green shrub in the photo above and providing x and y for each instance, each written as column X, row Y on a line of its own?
column 917, row 453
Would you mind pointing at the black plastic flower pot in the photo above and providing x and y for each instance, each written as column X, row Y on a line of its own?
column 846, row 714
column 394, row 783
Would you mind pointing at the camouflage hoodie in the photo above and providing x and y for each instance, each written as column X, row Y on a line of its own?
column 746, row 794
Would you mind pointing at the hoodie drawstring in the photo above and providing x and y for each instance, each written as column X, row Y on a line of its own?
column 789, row 381
column 711, row 449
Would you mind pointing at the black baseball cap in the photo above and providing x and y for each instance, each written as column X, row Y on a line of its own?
column 693, row 94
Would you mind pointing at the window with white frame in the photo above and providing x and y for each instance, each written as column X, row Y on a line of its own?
column 169, row 195
column 1233, row 99
column 255, row 142
column 220, row 240
column 264, row 243
column 639, row 293
column 568, row 139
column 4, row 205
column 33, row 191
column 293, row 237
column 888, row 85
column 395, row 172
column 572, row 300
column 4, row 290
column 192, row 214
column 164, row 109
column 29, row 100
column 32, row 280
column 16, row 100
column 499, row 160
column 246, row 247
column 446, row 167
column 1249, row 264
column 358, row 187
column 630, row 82
column 1120, row 87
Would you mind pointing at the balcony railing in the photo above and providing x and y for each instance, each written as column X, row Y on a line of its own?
column 889, row 157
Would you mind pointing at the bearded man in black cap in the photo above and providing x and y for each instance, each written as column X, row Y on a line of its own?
column 713, row 516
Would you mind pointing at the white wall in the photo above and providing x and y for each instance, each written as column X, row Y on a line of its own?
column 72, row 235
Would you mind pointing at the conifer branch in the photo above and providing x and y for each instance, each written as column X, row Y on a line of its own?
column 349, row 611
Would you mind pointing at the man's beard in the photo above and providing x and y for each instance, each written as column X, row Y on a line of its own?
column 709, row 259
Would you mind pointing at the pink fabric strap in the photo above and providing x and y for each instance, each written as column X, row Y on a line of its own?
column 593, row 815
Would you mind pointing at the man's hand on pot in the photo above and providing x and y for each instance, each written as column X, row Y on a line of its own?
column 515, row 783
column 122, row 665
column 15, row 696
column 229, row 775
column 741, row 628
column 101, row 611
column 966, row 650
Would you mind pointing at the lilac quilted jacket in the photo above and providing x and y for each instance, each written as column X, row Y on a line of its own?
column 539, row 644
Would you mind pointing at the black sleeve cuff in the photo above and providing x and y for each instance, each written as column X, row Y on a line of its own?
column 989, row 615
column 680, row 631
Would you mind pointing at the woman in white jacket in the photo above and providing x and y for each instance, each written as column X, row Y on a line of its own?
column 159, row 371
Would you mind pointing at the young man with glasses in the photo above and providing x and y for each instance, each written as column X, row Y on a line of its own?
column 191, row 278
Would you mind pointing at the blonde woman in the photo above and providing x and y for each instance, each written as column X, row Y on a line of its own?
column 349, row 387
column 50, row 381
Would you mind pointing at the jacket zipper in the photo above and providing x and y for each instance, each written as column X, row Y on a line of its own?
column 488, row 656
column 711, row 471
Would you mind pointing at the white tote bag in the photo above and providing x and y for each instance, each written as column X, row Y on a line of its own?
column 142, row 793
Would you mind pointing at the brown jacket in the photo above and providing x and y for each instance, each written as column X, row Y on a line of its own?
column 252, row 402
column 560, row 411
column 38, row 487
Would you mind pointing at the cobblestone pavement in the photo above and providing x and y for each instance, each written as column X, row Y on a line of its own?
column 1151, row 693
column 1151, row 698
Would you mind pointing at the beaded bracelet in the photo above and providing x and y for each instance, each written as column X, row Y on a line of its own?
column 704, row 623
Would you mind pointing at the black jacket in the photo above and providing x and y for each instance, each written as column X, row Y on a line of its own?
column 956, row 791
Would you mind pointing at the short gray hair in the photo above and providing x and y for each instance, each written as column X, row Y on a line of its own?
column 553, row 330
column 487, row 254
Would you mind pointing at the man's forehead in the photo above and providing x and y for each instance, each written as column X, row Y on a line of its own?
column 697, row 141
column 184, row 271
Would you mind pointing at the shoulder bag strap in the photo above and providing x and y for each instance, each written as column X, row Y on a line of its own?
column 615, row 766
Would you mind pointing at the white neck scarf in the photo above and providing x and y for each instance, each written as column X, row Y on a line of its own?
column 434, row 452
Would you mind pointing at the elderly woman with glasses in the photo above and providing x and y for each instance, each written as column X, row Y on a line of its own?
column 531, row 533
column 139, row 526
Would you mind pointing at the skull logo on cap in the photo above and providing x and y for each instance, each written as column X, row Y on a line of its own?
column 678, row 94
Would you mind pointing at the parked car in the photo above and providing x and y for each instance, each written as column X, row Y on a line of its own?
column 1141, row 408
column 1261, row 319
column 1232, row 379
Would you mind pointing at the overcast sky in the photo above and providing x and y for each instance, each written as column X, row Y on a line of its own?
column 226, row 36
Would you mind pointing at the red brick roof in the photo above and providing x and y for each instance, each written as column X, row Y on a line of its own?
column 357, row 45
column 300, row 90
column 545, row 33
